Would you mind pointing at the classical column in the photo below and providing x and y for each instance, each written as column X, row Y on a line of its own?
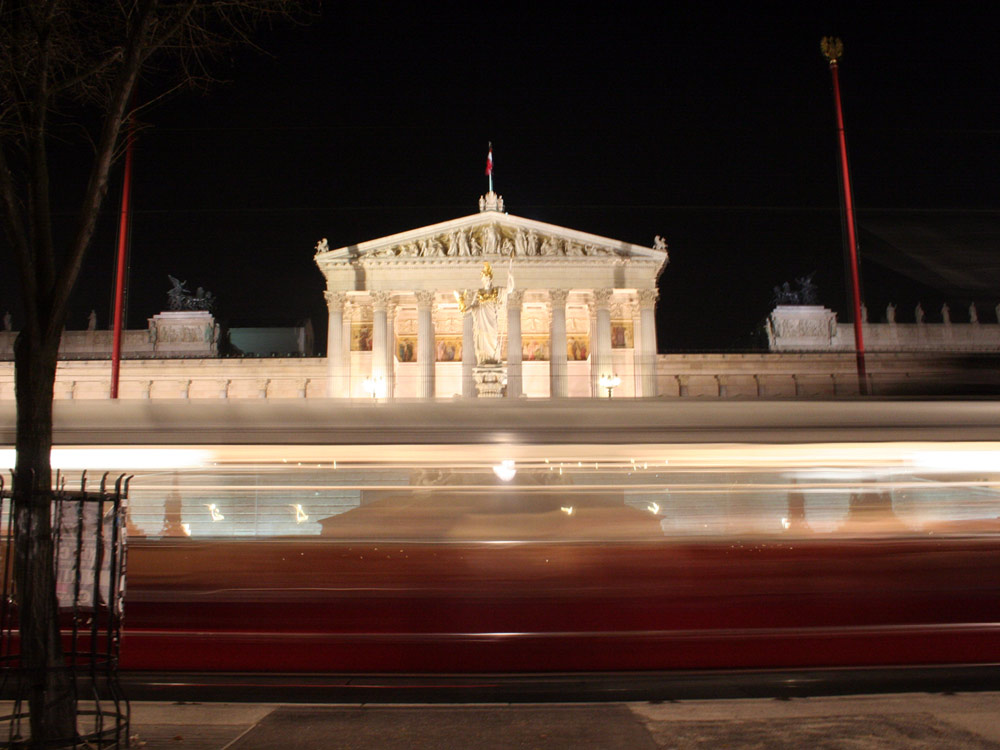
column 558, row 386
column 514, row 382
column 390, row 349
column 645, row 350
column 468, row 356
column 425, row 344
column 336, row 385
column 380, row 301
column 600, row 341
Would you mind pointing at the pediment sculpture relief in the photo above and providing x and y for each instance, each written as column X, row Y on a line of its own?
column 491, row 240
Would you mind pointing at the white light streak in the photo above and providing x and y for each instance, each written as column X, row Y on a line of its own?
column 505, row 470
column 120, row 459
column 958, row 461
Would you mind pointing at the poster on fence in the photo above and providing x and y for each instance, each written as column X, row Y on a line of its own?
column 80, row 550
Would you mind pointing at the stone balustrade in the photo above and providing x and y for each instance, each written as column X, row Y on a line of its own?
column 813, row 328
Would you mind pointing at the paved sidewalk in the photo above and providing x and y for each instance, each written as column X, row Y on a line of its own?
column 887, row 722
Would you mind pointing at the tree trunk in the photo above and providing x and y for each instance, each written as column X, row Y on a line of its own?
column 51, row 699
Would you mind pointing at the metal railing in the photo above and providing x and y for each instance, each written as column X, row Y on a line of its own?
column 89, row 559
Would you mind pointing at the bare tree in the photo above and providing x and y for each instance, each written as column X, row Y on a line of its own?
column 68, row 69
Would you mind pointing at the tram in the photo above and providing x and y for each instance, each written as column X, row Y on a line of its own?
column 551, row 537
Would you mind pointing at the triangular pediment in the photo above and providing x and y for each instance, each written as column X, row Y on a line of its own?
column 491, row 235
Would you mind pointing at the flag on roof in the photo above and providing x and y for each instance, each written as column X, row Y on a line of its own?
column 489, row 162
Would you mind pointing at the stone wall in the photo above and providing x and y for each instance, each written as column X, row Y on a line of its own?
column 823, row 375
column 708, row 376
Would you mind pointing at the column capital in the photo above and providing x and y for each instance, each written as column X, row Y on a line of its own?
column 647, row 298
column 515, row 298
column 355, row 308
column 558, row 297
column 425, row 299
column 335, row 300
column 602, row 298
column 380, row 300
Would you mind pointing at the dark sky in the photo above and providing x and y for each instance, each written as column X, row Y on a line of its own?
column 709, row 125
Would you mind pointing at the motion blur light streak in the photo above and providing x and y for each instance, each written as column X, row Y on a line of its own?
column 830, row 546
column 957, row 460
column 505, row 470
column 121, row 458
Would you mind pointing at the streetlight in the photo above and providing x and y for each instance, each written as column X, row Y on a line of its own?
column 610, row 382
column 833, row 50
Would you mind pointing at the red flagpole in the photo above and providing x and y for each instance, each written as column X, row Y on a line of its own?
column 123, row 224
column 833, row 49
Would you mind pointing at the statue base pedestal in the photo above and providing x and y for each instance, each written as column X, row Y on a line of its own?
column 184, row 333
column 490, row 380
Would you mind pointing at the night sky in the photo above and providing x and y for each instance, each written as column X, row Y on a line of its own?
column 711, row 126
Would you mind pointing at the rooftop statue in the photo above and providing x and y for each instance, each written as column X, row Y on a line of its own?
column 806, row 293
column 180, row 298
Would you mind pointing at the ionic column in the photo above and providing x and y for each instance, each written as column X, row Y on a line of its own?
column 425, row 344
column 514, row 382
column 380, row 301
column 390, row 349
column 645, row 351
column 558, row 386
column 336, row 385
column 600, row 341
column 468, row 356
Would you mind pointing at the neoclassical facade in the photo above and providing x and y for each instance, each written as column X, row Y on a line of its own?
column 579, row 307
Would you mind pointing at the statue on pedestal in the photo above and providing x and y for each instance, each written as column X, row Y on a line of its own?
column 485, row 307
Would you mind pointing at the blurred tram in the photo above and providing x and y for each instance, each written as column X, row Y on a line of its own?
column 524, row 537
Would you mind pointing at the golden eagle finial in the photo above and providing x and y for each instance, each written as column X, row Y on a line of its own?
column 833, row 48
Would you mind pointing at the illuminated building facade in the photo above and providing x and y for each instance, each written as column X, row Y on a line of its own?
column 576, row 307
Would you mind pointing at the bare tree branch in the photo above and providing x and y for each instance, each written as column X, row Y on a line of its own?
column 98, row 182
column 67, row 72
column 14, row 228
